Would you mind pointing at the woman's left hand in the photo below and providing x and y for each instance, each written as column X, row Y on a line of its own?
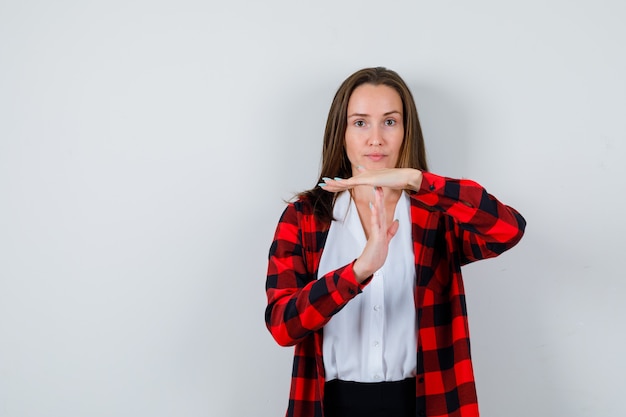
column 394, row 178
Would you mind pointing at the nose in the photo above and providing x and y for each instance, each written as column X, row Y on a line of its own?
column 376, row 137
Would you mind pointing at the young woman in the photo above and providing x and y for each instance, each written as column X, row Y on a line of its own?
column 364, row 274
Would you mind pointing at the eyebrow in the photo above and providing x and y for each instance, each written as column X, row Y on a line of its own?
column 366, row 115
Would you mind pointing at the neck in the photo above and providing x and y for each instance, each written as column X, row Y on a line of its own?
column 363, row 194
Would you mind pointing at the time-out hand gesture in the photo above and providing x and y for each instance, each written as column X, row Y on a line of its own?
column 375, row 252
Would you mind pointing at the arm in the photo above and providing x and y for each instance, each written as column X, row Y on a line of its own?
column 485, row 226
column 297, row 303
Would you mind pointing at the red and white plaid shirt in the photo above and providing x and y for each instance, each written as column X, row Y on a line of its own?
column 454, row 222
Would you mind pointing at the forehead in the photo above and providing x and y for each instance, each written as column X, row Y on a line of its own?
column 374, row 97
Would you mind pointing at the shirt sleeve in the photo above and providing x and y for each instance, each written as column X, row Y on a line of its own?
column 485, row 226
column 298, row 303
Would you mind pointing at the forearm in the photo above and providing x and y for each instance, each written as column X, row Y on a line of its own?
column 293, row 313
column 472, row 207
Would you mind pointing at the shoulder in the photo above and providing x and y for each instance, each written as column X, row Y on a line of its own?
column 304, row 211
column 301, row 213
column 300, row 205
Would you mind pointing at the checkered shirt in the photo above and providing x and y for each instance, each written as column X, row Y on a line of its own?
column 454, row 222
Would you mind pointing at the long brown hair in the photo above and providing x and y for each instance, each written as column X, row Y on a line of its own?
column 335, row 162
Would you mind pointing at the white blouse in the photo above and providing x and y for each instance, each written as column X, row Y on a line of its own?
column 373, row 338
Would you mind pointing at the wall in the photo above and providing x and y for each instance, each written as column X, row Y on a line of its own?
column 146, row 148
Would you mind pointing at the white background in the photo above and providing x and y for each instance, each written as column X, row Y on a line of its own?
column 146, row 148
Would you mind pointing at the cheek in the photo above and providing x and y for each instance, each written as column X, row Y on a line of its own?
column 350, row 151
column 398, row 140
column 350, row 142
column 397, row 151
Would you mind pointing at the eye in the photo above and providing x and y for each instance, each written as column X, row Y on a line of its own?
column 359, row 123
column 390, row 122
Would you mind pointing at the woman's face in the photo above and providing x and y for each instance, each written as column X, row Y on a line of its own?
column 375, row 129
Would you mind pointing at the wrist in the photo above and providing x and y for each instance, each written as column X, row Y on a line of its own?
column 414, row 182
column 360, row 272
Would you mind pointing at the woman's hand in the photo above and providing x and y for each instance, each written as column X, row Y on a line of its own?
column 375, row 252
column 394, row 178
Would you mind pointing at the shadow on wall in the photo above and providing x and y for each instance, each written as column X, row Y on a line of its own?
column 445, row 128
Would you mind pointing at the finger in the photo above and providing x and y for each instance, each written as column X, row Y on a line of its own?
column 337, row 184
column 374, row 219
column 380, row 206
column 330, row 188
column 393, row 229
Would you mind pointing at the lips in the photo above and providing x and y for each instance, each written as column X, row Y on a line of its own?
column 375, row 156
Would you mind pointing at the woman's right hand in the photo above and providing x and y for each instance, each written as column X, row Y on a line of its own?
column 375, row 252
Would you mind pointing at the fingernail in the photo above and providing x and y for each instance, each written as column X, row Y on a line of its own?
column 359, row 167
column 325, row 178
column 338, row 179
column 371, row 205
column 322, row 184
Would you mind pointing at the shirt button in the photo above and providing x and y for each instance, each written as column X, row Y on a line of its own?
column 377, row 376
column 376, row 344
column 377, row 308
